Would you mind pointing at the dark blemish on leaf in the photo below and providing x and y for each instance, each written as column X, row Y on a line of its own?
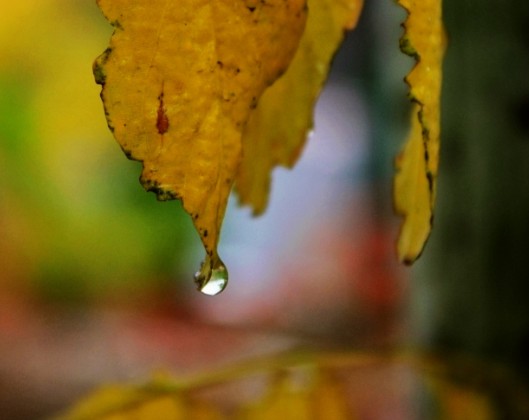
column 230, row 96
column 205, row 233
column 220, row 64
column 162, row 194
column 430, row 177
column 99, row 74
column 303, row 11
column 148, row 183
column 253, row 104
column 251, row 8
column 128, row 154
column 408, row 261
column 407, row 48
column 165, row 195
column 117, row 24
column 162, row 120
column 425, row 131
column 97, row 67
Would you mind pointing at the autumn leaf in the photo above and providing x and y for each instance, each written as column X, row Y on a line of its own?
column 316, row 395
column 114, row 402
column 277, row 130
column 297, row 392
column 458, row 402
column 319, row 386
column 185, row 92
column 179, row 82
column 417, row 165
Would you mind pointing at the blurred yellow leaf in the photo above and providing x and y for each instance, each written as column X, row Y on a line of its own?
column 108, row 400
column 308, row 392
column 457, row 402
column 313, row 395
column 417, row 165
column 316, row 386
column 284, row 399
column 127, row 403
column 179, row 82
column 277, row 130
column 330, row 399
column 164, row 407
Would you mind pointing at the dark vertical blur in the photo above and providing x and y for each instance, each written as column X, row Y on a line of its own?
column 472, row 284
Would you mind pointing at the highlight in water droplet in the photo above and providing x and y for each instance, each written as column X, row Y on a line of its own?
column 212, row 277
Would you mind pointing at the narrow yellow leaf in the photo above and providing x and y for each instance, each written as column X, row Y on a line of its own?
column 180, row 79
column 277, row 130
column 413, row 194
column 417, row 165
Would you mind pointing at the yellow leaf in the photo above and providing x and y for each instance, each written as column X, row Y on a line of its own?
column 413, row 194
column 457, row 402
column 164, row 407
column 284, row 399
column 277, row 130
column 127, row 402
column 179, row 81
column 109, row 400
column 303, row 394
column 417, row 165
column 330, row 399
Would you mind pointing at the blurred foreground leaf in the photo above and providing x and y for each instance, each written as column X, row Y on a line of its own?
column 320, row 386
column 122, row 403
column 306, row 392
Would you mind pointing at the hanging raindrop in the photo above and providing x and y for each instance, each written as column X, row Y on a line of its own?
column 212, row 277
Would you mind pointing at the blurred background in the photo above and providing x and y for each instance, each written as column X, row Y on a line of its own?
column 96, row 275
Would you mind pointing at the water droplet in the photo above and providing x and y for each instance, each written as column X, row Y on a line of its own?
column 212, row 277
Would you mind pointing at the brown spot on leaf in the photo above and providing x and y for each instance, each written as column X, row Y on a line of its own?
column 162, row 120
